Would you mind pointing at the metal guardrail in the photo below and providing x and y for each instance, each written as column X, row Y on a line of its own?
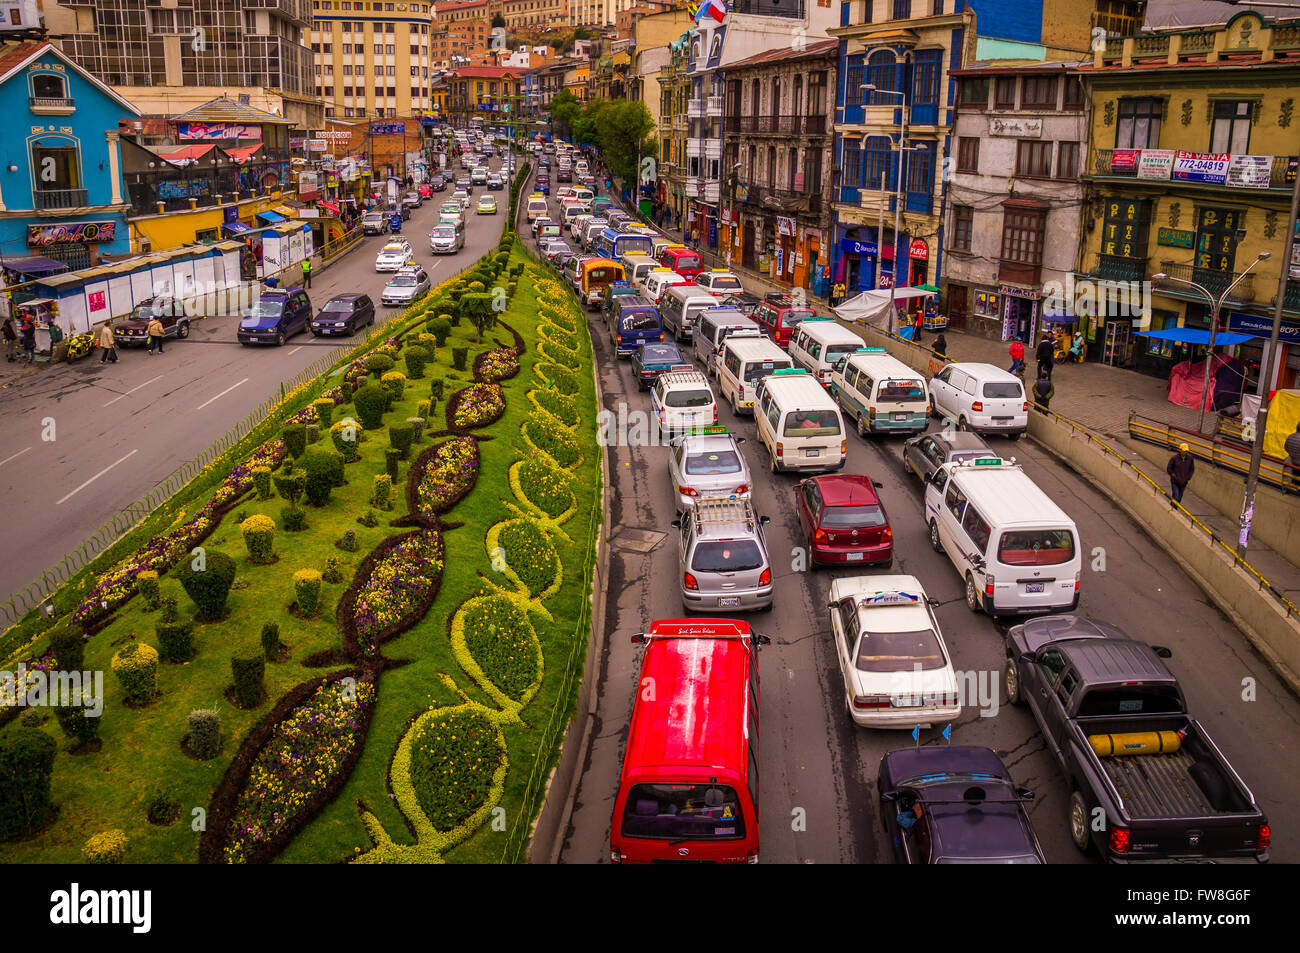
column 1220, row 453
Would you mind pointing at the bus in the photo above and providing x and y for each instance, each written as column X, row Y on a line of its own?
column 615, row 244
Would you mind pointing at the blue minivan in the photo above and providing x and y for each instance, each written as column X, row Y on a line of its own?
column 277, row 315
column 633, row 321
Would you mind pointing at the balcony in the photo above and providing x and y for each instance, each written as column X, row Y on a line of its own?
column 777, row 125
column 1291, row 301
column 1215, row 282
column 679, row 122
column 783, row 201
column 59, row 198
column 1100, row 165
column 713, row 107
column 1114, row 268
column 52, row 105
column 695, row 109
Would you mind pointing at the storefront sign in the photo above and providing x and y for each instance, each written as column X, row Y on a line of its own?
column 1176, row 237
column 1018, row 128
column 1201, row 167
column 1155, row 163
column 1263, row 327
column 333, row 135
column 851, row 246
column 1124, row 160
column 69, row 232
column 1018, row 292
column 317, row 145
column 183, row 190
column 297, row 142
column 388, row 128
column 785, row 226
column 214, row 131
column 780, row 260
column 918, row 250
column 1250, row 172
column 308, row 185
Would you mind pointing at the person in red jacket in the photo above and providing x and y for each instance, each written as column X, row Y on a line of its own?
column 1017, row 351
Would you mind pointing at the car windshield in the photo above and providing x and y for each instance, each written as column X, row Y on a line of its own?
column 683, row 812
column 264, row 309
column 713, row 463
column 393, row 249
column 899, row 651
column 1002, row 389
column 836, row 352
column 901, row 392
column 660, row 354
column 640, row 321
column 374, row 216
column 688, row 398
column 756, row 369
column 337, row 305
column 812, row 423
column 447, row 233
column 724, row 283
column 727, row 555
column 402, row 281
column 864, row 516
column 1039, row 547
column 791, row 318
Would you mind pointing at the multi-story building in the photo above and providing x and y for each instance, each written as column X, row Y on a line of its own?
column 895, row 103
column 530, row 14
column 577, row 78
column 625, row 19
column 458, row 44
column 1018, row 141
column 651, row 34
column 1190, row 174
column 608, row 78
column 776, row 169
column 167, row 59
column 550, row 80
column 483, row 92
column 587, row 13
column 674, row 93
column 448, row 13
column 372, row 62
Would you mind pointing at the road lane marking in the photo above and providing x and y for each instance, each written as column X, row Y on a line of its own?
column 12, row 455
column 297, row 349
column 96, row 477
column 222, row 394
column 133, row 390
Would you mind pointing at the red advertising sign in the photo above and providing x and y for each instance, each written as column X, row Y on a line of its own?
column 62, row 233
column 918, row 250
column 1124, row 160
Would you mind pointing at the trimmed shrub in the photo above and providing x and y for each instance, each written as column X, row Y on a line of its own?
column 416, row 358
column 436, row 388
column 168, row 613
column 161, row 808
column 379, row 363
column 382, row 496
column 295, row 439
column 392, row 458
column 306, row 586
column 136, row 667
column 322, row 475
column 423, row 409
column 477, row 287
column 147, row 584
column 458, row 355
column 204, row 738
column 313, row 433
column 69, row 648
column 26, row 763
column 293, row 520
column 349, row 542
column 76, row 724
column 176, row 641
column 262, row 482
column 401, row 436
column 427, row 342
column 345, row 388
column 324, row 410
column 259, row 537
column 417, row 425
column 271, row 639
column 106, row 847
column 249, row 673
column 331, row 573
column 371, row 401
column 210, row 586
column 290, row 484
column 395, row 383
column 440, row 327
column 346, row 434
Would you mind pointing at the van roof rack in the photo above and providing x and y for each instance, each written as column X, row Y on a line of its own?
column 723, row 511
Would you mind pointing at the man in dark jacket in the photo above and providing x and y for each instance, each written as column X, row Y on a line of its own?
column 1292, row 446
column 1046, row 354
column 1180, row 469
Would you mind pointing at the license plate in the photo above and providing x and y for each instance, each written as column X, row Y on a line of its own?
column 900, row 416
column 812, row 453
column 853, row 557
column 729, row 602
column 1035, row 586
column 1002, row 420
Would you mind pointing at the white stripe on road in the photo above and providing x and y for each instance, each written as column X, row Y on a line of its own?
column 294, row 351
column 96, row 477
column 222, row 394
column 133, row 390
column 12, row 455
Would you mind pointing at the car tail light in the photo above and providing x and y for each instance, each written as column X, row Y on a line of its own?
column 780, row 449
column 869, row 702
column 988, row 588
column 1265, row 837
column 743, row 488
column 765, row 578
column 740, row 393
column 871, row 413
column 1026, row 407
column 1076, row 581
column 820, row 536
column 1119, row 839
column 844, row 447
column 752, row 857
column 690, row 583
column 687, row 491
column 715, row 413
column 614, row 856
column 886, row 535
column 977, row 406
column 661, row 335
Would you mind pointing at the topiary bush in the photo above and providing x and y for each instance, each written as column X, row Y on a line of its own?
column 345, row 390
column 295, row 439
column 307, row 586
column 136, row 667
column 423, row 409
column 378, row 364
column 440, row 327
column 69, row 648
column 262, row 482
column 332, row 573
column 345, row 434
column 322, row 471
column 271, row 639
column 392, row 460
column 313, row 433
column 106, row 847
column 382, row 495
column 416, row 358
column 401, row 436
column 371, row 401
column 248, row 672
column 176, row 641
column 259, row 538
column 26, row 765
column 204, row 737
column 293, row 520
column 436, row 388
column 395, row 383
column 77, row 724
column 209, row 585
column 290, row 484
column 324, row 410
column 147, row 584
column 161, row 808
column 348, row 543
column 417, row 426
column 458, row 355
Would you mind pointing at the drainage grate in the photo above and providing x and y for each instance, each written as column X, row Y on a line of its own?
column 638, row 540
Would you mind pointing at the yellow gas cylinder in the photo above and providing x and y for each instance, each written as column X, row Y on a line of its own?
column 1136, row 742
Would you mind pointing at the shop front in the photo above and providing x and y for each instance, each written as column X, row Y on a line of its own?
column 76, row 244
column 1286, row 367
column 1020, row 308
column 857, row 265
column 918, row 262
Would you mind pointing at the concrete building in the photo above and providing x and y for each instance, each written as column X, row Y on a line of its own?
column 372, row 62
column 458, row 44
column 674, row 93
column 483, row 92
column 651, row 34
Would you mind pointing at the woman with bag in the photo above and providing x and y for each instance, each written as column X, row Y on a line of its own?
column 108, row 343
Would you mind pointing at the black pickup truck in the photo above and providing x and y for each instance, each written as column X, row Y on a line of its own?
column 1147, row 781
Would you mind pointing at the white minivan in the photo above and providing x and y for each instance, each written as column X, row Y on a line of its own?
column 636, row 267
column 715, row 325
column 880, row 392
column 1015, row 548
column 747, row 356
column 818, row 343
column 980, row 397
column 799, row 423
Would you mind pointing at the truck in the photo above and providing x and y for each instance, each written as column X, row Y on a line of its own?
column 1147, row 781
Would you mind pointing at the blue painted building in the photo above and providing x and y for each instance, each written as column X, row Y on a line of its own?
column 61, row 186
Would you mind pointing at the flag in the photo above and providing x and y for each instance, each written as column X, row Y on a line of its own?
column 693, row 9
column 712, row 8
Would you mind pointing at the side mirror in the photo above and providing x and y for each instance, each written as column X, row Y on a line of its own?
column 1024, row 793
column 738, row 440
column 934, row 603
column 765, row 520
column 1026, row 658
column 877, row 484
column 832, row 605
column 638, row 639
column 676, row 524
column 1162, row 651
column 889, row 796
column 762, row 640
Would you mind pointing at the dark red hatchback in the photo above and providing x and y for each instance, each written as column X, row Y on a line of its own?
column 844, row 521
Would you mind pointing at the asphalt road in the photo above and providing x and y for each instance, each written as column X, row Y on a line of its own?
column 120, row 429
column 819, row 803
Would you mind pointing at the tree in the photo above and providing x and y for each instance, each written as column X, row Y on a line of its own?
column 498, row 21
column 623, row 130
column 565, row 111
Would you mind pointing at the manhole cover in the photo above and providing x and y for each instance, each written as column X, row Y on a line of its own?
column 638, row 540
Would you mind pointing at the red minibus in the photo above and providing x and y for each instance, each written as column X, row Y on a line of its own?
column 688, row 791
column 681, row 260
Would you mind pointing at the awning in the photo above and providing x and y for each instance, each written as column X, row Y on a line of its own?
column 271, row 218
column 186, row 153
column 1197, row 336
column 237, row 227
column 287, row 211
column 328, row 206
column 873, row 306
column 242, row 153
column 32, row 264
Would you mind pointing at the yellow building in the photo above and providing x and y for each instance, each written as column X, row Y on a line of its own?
column 167, row 230
column 577, row 79
column 1190, row 172
column 372, row 62
column 483, row 92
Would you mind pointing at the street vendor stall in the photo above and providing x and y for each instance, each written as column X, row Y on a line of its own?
column 872, row 307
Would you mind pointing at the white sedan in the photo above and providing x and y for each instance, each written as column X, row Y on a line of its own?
column 395, row 255
column 896, row 669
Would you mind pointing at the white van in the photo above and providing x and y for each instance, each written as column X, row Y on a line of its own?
column 799, row 423
column 980, row 397
column 818, row 343
column 745, row 358
column 715, row 325
column 636, row 267
column 880, row 392
column 1014, row 547
column 679, row 306
column 659, row 280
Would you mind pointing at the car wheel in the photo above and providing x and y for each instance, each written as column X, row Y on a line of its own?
column 771, row 459
column 862, row 425
column 1011, row 681
column 183, row 330
column 961, row 424
column 972, row 594
column 1079, row 832
column 935, row 542
column 907, row 466
column 279, row 339
column 934, row 409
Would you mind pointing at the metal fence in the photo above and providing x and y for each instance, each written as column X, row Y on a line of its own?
column 1221, row 453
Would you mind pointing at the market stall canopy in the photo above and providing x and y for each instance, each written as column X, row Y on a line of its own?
column 270, row 218
column 872, row 307
column 1197, row 336
column 187, row 154
column 34, row 264
column 242, row 154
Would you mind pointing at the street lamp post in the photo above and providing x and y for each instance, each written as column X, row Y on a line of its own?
column 1216, row 305
column 731, row 214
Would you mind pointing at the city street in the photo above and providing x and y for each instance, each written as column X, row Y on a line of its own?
column 818, row 770
column 82, row 441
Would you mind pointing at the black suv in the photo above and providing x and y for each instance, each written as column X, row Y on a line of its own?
column 276, row 316
column 344, row 314
column 169, row 312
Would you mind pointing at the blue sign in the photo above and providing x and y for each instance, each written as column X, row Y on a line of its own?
column 388, row 128
column 1262, row 327
column 851, row 246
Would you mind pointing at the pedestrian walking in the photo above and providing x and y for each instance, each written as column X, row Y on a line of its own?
column 108, row 344
column 1180, row 469
column 1017, row 352
column 28, row 337
column 837, row 293
column 1292, row 446
column 155, row 331
column 306, row 272
column 1043, row 390
column 1046, row 353
column 940, row 346
column 11, row 340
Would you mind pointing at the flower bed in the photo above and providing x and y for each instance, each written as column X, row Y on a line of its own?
column 560, row 378
column 547, row 434
column 391, row 591
column 552, row 333
column 529, row 554
column 556, row 403
column 453, row 759
column 475, row 406
column 441, row 477
column 498, row 364
column 502, row 642
column 560, row 355
column 545, row 486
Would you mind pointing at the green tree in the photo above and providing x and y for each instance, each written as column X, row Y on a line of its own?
column 498, row 21
column 566, row 108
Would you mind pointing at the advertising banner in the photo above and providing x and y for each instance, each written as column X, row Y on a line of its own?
column 1155, row 163
column 1201, row 167
column 62, row 233
column 213, row 131
column 1250, row 172
column 1124, row 160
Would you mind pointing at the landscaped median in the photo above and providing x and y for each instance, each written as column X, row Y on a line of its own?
column 364, row 643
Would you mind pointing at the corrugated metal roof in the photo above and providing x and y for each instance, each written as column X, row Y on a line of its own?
column 225, row 109
column 781, row 54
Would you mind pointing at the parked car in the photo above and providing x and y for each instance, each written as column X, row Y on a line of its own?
column 843, row 520
column 277, row 315
column 395, row 255
column 170, row 313
column 344, row 314
column 405, row 287
column 374, row 223
column 927, row 452
column 487, row 205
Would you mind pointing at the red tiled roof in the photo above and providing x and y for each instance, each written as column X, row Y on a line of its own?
column 14, row 56
column 812, row 50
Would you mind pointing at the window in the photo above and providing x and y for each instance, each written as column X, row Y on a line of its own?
column 1067, row 160
column 1004, row 92
column 920, row 173
column 853, row 89
column 1073, row 93
column 1039, row 93
column 968, row 154
column 925, row 78
column 390, row 49
column 379, row 49
column 974, row 93
column 882, row 72
column 1034, row 159
column 329, row 92
column 876, row 167
column 1139, row 124
column 1022, row 236
column 347, row 69
column 390, row 70
column 902, row 9
column 1231, row 131
column 963, row 221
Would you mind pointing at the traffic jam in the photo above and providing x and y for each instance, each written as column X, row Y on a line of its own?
column 869, row 464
